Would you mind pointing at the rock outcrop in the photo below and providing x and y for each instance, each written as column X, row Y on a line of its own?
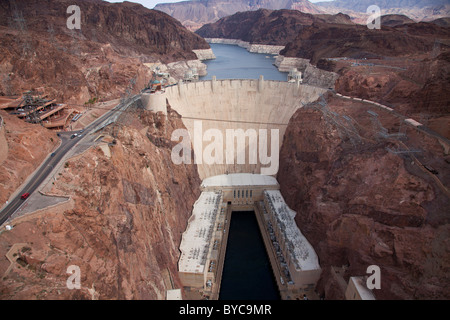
column 125, row 228
column 311, row 74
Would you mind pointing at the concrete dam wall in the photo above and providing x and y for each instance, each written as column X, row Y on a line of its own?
column 251, row 113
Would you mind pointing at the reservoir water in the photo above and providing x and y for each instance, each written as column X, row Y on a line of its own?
column 234, row 62
column 247, row 273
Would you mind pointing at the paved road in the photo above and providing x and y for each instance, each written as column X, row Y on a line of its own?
column 67, row 143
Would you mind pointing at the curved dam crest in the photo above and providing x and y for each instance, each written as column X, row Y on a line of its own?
column 234, row 105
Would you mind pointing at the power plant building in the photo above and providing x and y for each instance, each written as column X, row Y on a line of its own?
column 204, row 242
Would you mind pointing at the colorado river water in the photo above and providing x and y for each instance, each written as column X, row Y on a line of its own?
column 234, row 62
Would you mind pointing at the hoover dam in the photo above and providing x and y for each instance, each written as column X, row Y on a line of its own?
column 225, row 107
column 248, row 117
column 140, row 162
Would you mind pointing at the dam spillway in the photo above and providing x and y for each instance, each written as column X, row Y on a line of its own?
column 223, row 105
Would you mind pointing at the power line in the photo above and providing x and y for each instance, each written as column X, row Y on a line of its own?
column 208, row 119
column 236, row 121
column 196, row 118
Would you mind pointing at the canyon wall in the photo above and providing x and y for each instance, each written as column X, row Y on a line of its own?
column 23, row 147
column 113, row 46
column 360, row 205
column 270, row 27
column 131, row 206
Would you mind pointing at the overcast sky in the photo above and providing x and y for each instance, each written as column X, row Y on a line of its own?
column 152, row 3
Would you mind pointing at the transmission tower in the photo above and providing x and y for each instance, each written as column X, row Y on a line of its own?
column 436, row 49
column 7, row 87
column 126, row 96
column 18, row 22
column 344, row 124
column 75, row 47
column 52, row 39
column 380, row 131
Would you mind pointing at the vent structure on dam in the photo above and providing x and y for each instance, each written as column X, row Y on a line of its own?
column 294, row 262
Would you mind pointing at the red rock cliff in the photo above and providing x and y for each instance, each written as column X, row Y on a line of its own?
column 125, row 229
column 37, row 49
column 362, row 205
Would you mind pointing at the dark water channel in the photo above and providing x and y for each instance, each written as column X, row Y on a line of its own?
column 247, row 273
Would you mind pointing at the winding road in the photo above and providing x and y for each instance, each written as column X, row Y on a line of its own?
column 67, row 143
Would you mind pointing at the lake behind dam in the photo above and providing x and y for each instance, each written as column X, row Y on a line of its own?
column 234, row 62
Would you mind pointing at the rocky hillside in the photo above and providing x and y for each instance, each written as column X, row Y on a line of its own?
column 272, row 27
column 362, row 5
column 405, row 66
column 130, row 209
column 194, row 14
column 24, row 147
column 360, row 205
column 323, row 36
column 443, row 22
column 421, row 85
column 355, row 41
column 37, row 50
column 419, row 10
column 392, row 20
